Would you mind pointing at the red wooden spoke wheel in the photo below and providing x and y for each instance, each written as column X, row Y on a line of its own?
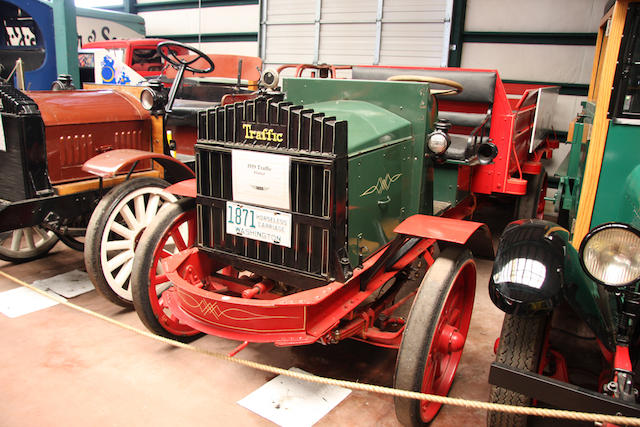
column 434, row 337
column 172, row 231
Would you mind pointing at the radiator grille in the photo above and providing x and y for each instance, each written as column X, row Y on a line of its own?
column 318, row 183
column 23, row 161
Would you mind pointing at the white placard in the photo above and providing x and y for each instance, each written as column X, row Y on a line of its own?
column 261, row 178
column 3, row 143
column 255, row 223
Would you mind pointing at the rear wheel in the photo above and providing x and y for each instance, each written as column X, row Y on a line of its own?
column 520, row 346
column 113, row 233
column 26, row 244
column 173, row 230
column 435, row 333
column 531, row 205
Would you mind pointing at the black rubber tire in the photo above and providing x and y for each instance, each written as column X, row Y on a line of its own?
column 96, row 229
column 521, row 344
column 72, row 242
column 527, row 205
column 421, row 328
column 143, row 263
column 24, row 255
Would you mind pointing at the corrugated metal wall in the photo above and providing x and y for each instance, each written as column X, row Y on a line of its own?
column 386, row 32
column 535, row 41
column 526, row 41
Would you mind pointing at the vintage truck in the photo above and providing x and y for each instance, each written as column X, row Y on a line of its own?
column 335, row 209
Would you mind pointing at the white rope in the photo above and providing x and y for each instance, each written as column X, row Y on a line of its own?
column 521, row 410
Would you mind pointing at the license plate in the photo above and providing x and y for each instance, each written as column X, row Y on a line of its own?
column 255, row 223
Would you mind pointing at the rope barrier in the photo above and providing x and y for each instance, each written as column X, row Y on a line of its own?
column 445, row 400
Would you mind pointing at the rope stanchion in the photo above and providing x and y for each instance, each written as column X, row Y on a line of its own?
column 520, row 410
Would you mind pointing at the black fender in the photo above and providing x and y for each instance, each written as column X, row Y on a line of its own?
column 528, row 270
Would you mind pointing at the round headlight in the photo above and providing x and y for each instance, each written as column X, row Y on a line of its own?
column 610, row 254
column 270, row 79
column 438, row 142
column 147, row 98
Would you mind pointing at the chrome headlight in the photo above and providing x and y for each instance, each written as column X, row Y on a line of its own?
column 269, row 79
column 438, row 142
column 146, row 98
column 610, row 254
column 153, row 97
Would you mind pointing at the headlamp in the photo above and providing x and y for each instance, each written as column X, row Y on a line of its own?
column 153, row 97
column 610, row 254
column 439, row 140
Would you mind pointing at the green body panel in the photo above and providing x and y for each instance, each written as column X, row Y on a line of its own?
column 389, row 177
column 66, row 35
column 370, row 127
column 592, row 302
column 445, row 187
column 630, row 208
column 571, row 171
column 621, row 156
column 129, row 20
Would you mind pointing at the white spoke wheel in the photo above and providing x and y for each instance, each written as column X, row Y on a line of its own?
column 434, row 337
column 26, row 244
column 113, row 233
column 173, row 230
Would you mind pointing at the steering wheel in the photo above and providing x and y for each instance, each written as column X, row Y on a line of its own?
column 456, row 87
column 171, row 56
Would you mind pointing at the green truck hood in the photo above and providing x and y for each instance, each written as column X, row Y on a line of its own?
column 369, row 126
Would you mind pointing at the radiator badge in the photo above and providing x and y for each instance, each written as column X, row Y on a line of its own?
column 268, row 133
column 383, row 184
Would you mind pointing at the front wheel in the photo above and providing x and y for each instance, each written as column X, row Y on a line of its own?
column 26, row 244
column 436, row 330
column 173, row 230
column 520, row 346
column 114, row 230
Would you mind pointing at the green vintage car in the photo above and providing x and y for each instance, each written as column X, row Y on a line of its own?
column 570, row 291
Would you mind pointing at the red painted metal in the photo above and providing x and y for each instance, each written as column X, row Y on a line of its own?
column 231, row 98
column 300, row 68
column 226, row 66
column 238, row 349
column 300, row 318
column 129, row 46
column 438, row 228
column 112, row 162
column 186, row 188
column 157, row 277
column 82, row 124
column 512, row 116
column 450, row 334
column 621, row 359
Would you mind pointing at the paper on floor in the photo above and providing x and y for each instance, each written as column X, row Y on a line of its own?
column 21, row 301
column 69, row 285
column 290, row 402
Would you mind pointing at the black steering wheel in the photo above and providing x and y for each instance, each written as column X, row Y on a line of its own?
column 171, row 56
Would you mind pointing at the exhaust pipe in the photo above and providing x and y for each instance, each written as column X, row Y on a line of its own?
column 487, row 151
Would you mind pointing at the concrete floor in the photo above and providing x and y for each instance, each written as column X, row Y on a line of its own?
column 62, row 367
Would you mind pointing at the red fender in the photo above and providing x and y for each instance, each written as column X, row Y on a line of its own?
column 187, row 188
column 475, row 234
column 108, row 164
